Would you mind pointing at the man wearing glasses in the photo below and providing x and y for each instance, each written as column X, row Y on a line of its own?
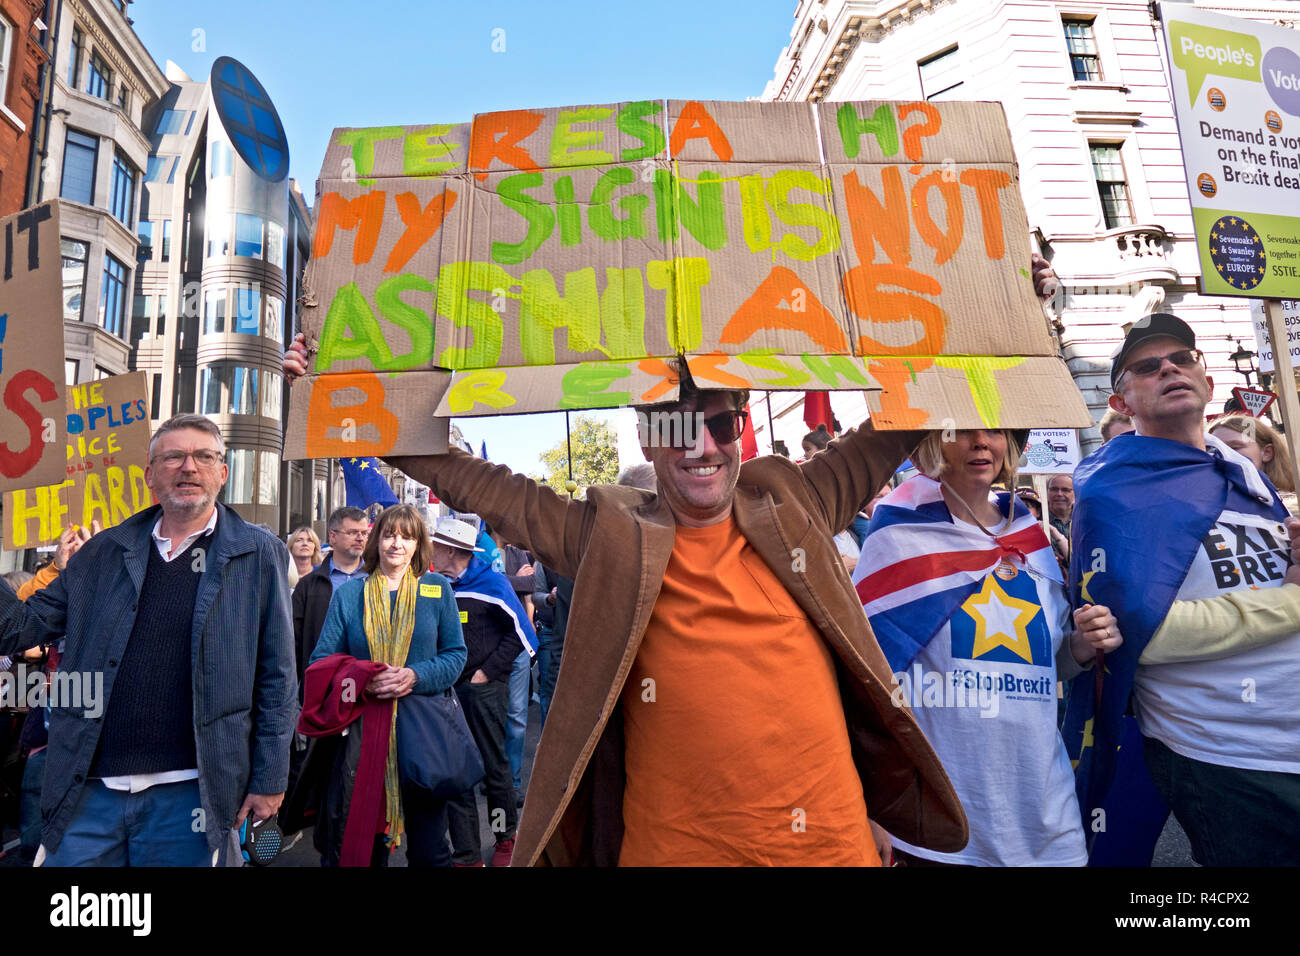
column 347, row 531
column 1191, row 547
column 181, row 615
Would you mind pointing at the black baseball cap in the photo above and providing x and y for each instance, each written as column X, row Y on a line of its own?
column 1149, row 327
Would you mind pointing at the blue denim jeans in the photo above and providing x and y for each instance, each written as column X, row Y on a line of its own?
column 517, row 716
column 1232, row 817
column 29, row 805
column 155, row 827
column 543, row 668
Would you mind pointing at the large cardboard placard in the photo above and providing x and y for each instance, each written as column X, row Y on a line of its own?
column 559, row 258
column 31, row 348
column 1236, row 90
column 106, row 453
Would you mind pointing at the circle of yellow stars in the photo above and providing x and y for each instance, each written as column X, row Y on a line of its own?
column 1250, row 231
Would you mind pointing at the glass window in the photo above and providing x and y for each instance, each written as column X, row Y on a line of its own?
column 246, row 316
column 70, row 371
column 174, row 121
column 243, row 391
column 143, row 305
column 99, row 80
column 210, row 387
column 268, row 478
column 219, row 235
column 79, row 153
column 155, row 397
column 275, row 244
column 112, row 299
column 248, row 236
column 1081, row 43
column 272, row 395
column 6, row 41
column 74, row 277
column 162, row 315
column 939, row 75
column 144, row 233
column 166, row 240
column 123, row 199
column 222, row 160
column 1112, row 187
column 161, row 168
column 74, row 57
column 273, row 318
column 124, row 98
column 318, row 496
column 214, row 311
column 239, row 486
column 101, row 372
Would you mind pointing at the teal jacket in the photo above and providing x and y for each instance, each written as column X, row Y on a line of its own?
column 437, row 652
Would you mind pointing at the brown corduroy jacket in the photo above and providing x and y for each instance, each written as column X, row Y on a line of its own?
column 616, row 546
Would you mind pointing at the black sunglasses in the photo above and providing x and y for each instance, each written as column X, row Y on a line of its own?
column 681, row 429
column 1183, row 358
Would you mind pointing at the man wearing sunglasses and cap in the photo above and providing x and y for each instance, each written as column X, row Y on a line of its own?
column 722, row 699
column 1190, row 546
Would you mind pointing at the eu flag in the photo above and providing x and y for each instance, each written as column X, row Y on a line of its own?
column 364, row 483
column 1143, row 505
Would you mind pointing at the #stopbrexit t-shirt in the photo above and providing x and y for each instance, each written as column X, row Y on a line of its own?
column 1238, row 711
column 984, row 692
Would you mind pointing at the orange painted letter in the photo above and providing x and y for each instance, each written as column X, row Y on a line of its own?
column 986, row 183
column 497, row 136
column 365, row 211
column 323, row 415
column 803, row 313
column 696, row 123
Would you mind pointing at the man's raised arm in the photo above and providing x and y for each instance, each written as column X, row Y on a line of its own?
column 529, row 515
column 853, row 468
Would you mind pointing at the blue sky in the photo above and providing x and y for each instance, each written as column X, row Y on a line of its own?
column 331, row 63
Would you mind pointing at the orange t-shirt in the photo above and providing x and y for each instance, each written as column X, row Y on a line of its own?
column 736, row 747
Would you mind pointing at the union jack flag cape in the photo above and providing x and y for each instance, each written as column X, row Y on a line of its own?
column 918, row 566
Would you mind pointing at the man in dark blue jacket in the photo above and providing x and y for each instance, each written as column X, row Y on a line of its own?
column 178, row 684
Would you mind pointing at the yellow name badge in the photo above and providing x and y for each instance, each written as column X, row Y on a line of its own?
column 464, row 617
column 430, row 590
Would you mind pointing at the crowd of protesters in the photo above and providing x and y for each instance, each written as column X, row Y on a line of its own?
column 813, row 662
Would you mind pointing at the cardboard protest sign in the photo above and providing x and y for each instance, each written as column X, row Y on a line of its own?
column 105, row 456
column 560, row 258
column 1050, row 451
column 31, row 349
column 1236, row 87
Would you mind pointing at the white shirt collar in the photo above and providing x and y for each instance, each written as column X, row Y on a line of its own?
column 165, row 544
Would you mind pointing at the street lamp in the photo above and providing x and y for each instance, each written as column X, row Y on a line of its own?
column 1243, row 360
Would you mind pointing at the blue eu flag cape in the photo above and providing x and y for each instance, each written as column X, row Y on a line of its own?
column 1143, row 506
column 482, row 583
column 364, row 484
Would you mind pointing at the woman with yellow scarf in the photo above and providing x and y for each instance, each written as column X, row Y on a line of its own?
column 404, row 617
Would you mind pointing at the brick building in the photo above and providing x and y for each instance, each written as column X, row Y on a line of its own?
column 22, row 54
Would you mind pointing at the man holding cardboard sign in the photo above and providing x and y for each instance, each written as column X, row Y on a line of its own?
column 723, row 699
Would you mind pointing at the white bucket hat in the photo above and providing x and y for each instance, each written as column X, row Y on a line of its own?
column 456, row 534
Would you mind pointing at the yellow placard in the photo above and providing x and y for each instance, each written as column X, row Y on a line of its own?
column 431, row 590
column 464, row 617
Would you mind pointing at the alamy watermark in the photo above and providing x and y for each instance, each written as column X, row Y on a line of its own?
column 31, row 687
column 656, row 429
column 920, row 689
